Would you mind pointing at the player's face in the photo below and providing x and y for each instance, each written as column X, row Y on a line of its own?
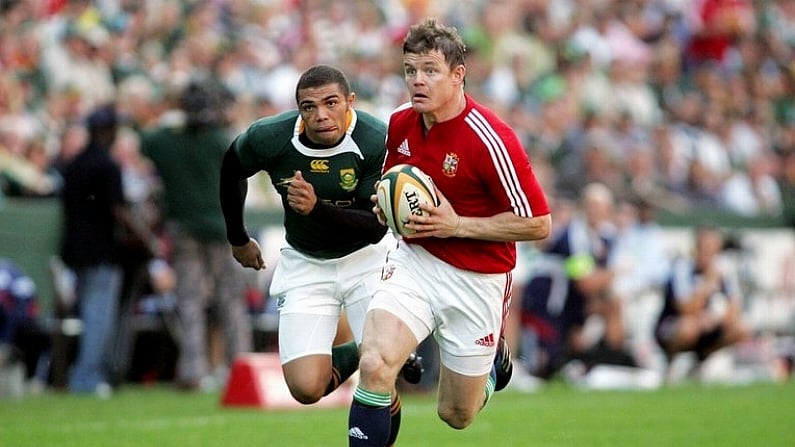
column 324, row 110
column 433, row 86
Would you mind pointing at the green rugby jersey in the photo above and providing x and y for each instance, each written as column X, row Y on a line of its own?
column 343, row 175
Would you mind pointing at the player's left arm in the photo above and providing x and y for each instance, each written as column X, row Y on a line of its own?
column 442, row 221
column 505, row 227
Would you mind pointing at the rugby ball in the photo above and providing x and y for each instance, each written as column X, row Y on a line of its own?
column 400, row 192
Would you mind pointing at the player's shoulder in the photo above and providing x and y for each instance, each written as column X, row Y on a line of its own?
column 401, row 112
column 369, row 132
column 479, row 114
column 368, row 126
column 273, row 125
column 369, row 121
column 488, row 127
column 264, row 131
column 401, row 118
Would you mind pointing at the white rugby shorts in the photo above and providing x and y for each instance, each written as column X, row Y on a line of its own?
column 463, row 309
column 310, row 294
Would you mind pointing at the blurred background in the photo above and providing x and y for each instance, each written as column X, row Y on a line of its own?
column 685, row 106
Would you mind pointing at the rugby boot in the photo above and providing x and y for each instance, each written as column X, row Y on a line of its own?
column 412, row 370
column 503, row 365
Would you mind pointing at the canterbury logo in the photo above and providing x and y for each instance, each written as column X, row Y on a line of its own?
column 404, row 148
column 318, row 166
column 486, row 341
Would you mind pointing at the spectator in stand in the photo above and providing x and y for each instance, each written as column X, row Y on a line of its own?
column 786, row 182
column 26, row 174
column 719, row 24
column 754, row 190
column 702, row 310
column 698, row 163
column 165, row 43
column 77, row 64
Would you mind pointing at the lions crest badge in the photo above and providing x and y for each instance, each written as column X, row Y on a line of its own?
column 450, row 164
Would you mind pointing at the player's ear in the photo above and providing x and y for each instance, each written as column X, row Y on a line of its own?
column 351, row 99
column 459, row 73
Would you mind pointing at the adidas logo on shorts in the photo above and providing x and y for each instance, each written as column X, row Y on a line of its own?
column 486, row 341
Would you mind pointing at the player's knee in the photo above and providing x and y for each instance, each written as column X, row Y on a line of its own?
column 374, row 370
column 306, row 390
column 458, row 418
column 305, row 398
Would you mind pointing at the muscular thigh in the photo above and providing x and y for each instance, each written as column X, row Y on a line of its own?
column 302, row 335
column 469, row 312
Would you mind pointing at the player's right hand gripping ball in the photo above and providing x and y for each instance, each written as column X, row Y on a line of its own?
column 400, row 192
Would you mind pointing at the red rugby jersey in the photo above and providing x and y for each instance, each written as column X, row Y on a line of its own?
column 478, row 163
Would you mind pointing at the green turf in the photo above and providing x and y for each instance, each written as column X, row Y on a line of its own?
column 688, row 415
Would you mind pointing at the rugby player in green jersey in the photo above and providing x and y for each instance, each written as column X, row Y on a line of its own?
column 324, row 160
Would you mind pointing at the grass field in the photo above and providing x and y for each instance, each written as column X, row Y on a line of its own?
column 686, row 415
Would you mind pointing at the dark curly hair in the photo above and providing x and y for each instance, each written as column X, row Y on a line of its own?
column 431, row 35
column 320, row 75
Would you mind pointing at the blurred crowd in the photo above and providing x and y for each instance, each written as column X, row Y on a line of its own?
column 688, row 104
column 676, row 105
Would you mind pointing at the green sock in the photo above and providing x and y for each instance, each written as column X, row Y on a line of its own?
column 344, row 362
column 489, row 391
